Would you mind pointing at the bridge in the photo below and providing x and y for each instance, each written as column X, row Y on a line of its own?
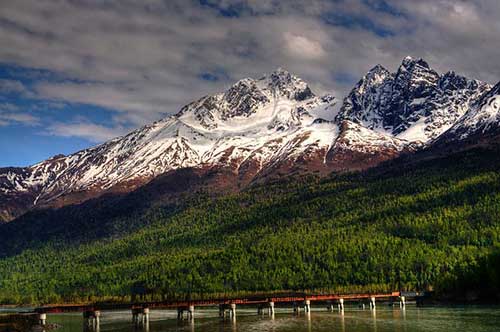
column 227, row 306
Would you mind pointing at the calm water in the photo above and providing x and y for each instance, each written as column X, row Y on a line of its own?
column 477, row 319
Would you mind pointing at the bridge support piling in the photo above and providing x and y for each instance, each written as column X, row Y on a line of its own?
column 372, row 303
column 232, row 310
column 92, row 319
column 227, row 310
column 402, row 302
column 307, row 306
column 329, row 307
column 189, row 311
column 296, row 308
column 222, row 310
column 341, row 305
column 42, row 319
column 145, row 315
column 270, row 307
column 140, row 316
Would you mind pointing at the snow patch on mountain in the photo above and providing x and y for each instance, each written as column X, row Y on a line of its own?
column 361, row 139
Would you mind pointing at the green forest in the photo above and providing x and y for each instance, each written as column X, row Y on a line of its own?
column 429, row 225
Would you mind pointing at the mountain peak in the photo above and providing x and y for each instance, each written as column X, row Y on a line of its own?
column 377, row 74
column 280, row 71
column 284, row 83
column 378, row 68
column 415, row 75
column 414, row 103
column 410, row 63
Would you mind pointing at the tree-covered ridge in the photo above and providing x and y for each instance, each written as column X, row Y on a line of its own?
column 401, row 226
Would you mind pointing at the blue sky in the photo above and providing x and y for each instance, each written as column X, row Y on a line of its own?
column 75, row 74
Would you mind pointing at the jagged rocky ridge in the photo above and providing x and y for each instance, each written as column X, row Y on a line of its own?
column 414, row 103
column 479, row 123
column 261, row 128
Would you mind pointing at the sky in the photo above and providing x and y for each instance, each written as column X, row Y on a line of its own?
column 75, row 73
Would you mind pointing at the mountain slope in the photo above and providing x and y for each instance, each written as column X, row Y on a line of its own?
column 400, row 226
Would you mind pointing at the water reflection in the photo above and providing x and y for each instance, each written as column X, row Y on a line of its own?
column 142, row 325
column 342, row 321
column 353, row 319
column 89, row 327
column 374, row 319
column 233, row 324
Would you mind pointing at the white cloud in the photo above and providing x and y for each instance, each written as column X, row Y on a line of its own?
column 25, row 119
column 11, row 86
column 11, row 114
column 84, row 129
column 303, row 47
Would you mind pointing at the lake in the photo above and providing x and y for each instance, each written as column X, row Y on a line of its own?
column 384, row 318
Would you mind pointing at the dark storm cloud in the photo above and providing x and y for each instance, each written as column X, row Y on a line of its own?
column 144, row 59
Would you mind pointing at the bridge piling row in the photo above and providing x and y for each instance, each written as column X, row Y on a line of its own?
column 227, row 307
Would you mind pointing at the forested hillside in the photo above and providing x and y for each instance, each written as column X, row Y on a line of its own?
column 417, row 226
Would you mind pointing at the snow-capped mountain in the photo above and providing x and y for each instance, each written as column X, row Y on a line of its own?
column 414, row 103
column 481, row 120
column 254, row 125
column 261, row 128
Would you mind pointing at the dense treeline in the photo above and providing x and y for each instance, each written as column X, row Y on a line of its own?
column 409, row 227
column 478, row 281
